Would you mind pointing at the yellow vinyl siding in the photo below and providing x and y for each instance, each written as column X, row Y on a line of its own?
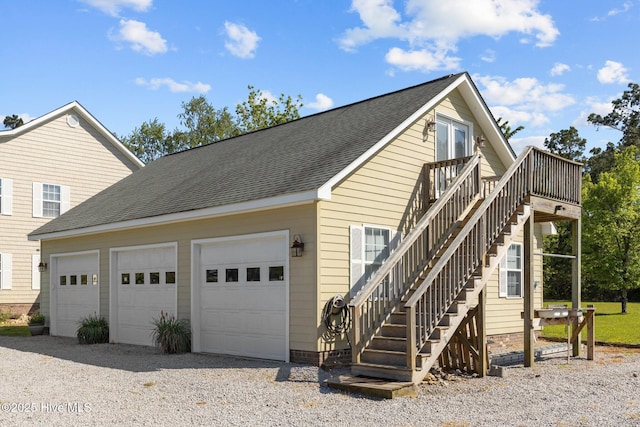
column 302, row 281
column 52, row 153
column 387, row 191
column 504, row 314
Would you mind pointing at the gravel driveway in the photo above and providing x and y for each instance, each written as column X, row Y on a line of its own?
column 54, row 381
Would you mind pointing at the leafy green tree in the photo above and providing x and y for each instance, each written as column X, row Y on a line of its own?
column 625, row 117
column 568, row 144
column 12, row 121
column 611, row 226
column 203, row 124
column 258, row 112
column 506, row 128
column 150, row 141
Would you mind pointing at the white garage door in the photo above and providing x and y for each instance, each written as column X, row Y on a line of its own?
column 144, row 285
column 75, row 292
column 241, row 297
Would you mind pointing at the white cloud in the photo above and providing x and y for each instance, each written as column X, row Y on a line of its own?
column 593, row 105
column 186, row 86
column 625, row 7
column 113, row 7
column 559, row 69
column 241, row 41
column 613, row 72
column 322, row 102
column 524, row 100
column 140, row 38
column 489, row 55
column 421, row 60
column 519, row 144
column 428, row 30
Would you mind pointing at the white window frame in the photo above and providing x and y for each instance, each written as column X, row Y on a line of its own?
column 505, row 270
column 38, row 199
column 357, row 250
column 6, row 196
column 5, row 271
column 451, row 126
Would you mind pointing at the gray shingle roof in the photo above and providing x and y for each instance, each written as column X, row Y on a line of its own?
column 295, row 157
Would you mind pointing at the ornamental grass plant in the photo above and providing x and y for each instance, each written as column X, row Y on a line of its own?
column 171, row 335
column 93, row 329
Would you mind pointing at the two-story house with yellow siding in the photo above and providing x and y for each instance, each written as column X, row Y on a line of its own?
column 379, row 231
column 48, row 166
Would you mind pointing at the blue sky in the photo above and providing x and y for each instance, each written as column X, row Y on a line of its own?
column 544, row 65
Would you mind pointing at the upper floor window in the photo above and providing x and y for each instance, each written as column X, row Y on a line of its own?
column 6, row 196
column 452, row 139
column 50, row 200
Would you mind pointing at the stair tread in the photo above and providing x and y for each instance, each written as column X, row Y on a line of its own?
column 382, row 366
column 384, row 351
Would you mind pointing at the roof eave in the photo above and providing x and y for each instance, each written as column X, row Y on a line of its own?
column 283, row 201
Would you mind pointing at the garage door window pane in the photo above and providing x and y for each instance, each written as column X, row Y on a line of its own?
column 253, row 274
column 154, row 278
column 125, row 279
column 84, row 279
column 63, row 280
column 231, row 275
column 139, row 278
column 212, row 276
column 276, row 274
column 170, row 277
column 73, row 280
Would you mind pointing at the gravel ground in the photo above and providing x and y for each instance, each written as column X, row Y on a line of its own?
column 54, row 381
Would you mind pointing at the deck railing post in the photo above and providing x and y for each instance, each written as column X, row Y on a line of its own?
column 355, row 334
column 411, row 337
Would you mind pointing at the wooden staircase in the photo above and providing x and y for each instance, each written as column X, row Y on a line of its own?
column 406, row 314
column 386, row 356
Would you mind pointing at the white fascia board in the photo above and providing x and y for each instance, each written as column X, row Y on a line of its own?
column 326, row 188
column 234, row 209
column 75, row 105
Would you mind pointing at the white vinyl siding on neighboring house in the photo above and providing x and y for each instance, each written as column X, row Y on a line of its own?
column 50, row 200
column 6, row 196
column 5, row 271
column 511, row 272
column 370, row 246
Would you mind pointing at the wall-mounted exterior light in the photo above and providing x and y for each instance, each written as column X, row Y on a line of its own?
column 42, row 267
column 297, row 247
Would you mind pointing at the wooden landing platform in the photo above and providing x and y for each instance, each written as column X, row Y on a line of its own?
column 375, row 387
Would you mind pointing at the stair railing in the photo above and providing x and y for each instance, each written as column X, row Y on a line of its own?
column 533, row 173
column 382, row 292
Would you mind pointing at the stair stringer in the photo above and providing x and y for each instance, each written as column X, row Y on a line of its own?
column 468, row 298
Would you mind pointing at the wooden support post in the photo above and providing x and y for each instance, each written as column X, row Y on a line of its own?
column 481, row 333
column 576, row 277
column 529, row 337
column 591, row 332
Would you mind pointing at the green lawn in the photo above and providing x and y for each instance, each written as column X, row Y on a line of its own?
column 611, row 326
column 14, row 330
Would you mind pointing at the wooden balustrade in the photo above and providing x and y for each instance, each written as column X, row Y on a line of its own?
column 383, row 291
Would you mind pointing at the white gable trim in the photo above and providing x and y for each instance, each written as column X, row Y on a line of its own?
column 478, row 108
column 75, row 106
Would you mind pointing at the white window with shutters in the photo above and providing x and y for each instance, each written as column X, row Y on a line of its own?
column 6, row 196
column 5, row 271
column 511, row 272
column 50, row 200
column 369, row 247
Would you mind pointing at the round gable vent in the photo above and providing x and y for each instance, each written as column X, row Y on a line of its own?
column 72, row 120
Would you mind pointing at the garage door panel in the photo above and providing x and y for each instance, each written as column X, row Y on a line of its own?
column 74, row 302
column 139, row 304
column 246, row 317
